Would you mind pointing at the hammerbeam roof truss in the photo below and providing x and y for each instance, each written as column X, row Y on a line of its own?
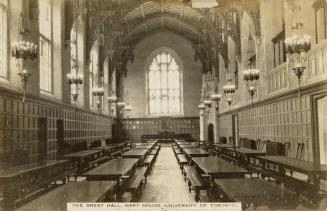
column 125, row 22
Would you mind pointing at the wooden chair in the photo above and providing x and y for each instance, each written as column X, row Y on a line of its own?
column 299, row 151
column 287, row 148
column 95, row 144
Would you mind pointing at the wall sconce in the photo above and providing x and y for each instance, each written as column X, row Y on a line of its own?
column 297, row 47
column 229, row 90
column 25, row 77
column 216, row 98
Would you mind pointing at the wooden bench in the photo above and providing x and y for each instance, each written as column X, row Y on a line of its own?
column 135, row 183
column 148, row 161
column 256, row 192
column 125, row 149
column 182, row 160
column 58, row 198
column 177, row 151
column 195, row 181
column 157, row 147
column 154, row 152
column 116, row 154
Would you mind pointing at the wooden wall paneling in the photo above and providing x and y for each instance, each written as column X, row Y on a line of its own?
column 285, row 121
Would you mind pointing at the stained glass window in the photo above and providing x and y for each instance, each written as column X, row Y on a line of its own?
column 164, row 85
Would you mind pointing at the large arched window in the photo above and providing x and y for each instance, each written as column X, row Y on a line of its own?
column 3, row 39
column 164, row 85
column 93, row 71
column 73, row 56
column 45, row 27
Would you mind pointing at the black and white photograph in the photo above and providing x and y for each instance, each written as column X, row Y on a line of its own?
column 163, row 105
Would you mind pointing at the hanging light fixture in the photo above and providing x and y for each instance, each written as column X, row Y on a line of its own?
column 250, row 76
column 229, row 90
column 74, row 78
column 298, row 45
column 216, row 98
column 207, row 104
column 201, row 106
column 23, row 50
column 98, row 92
column 203, row 4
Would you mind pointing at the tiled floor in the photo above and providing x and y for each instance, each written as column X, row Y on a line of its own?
column 166, row 183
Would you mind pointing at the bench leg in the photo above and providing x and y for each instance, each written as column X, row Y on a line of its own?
column 189, row 186
column 197, row 195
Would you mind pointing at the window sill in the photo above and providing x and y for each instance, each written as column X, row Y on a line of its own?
column 9, row 85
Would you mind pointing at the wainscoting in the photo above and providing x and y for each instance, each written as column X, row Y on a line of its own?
column 40, row 124
column 134, row 128
column 287, row 121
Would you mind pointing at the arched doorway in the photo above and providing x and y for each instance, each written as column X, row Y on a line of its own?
column 210, row 133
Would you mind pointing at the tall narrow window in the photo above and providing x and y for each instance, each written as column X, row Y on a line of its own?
column 45, row 18
column 320, row 8
column 164, row 85
column 3, row 39
column 279, row 49
column 73, row 55
column 93, row 71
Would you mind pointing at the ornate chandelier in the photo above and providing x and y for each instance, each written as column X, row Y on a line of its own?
column 229, row 90
column 112, row 99
column 24, row 50
column 250, row 76
column 98, row 91
column 74, row 79
column 216, row 98
column 298, row 44
column 204, row 3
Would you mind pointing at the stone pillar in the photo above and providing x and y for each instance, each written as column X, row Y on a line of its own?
column 216, row 123
column 201, row 126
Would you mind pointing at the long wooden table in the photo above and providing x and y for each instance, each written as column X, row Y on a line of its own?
column 280, row 163
column 196, row 152
column 218, row 168
column 18, row 181
column 242, row 155
column 106, row 149
column 111, row 170
column 145, row 146
column 184, row 146
column 136, row 153
column 57, row 199
column 85, row 158
column 256, row 192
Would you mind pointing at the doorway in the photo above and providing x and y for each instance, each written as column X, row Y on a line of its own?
column 60, row 138
column 322, row 129
column 211, row 134
column 43, row 138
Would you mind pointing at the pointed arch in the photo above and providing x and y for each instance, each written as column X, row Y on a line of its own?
column 164, row 87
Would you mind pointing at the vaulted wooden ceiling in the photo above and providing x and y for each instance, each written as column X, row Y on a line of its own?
column 124, row 23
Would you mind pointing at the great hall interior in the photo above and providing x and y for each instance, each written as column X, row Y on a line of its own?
column 178, row 101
